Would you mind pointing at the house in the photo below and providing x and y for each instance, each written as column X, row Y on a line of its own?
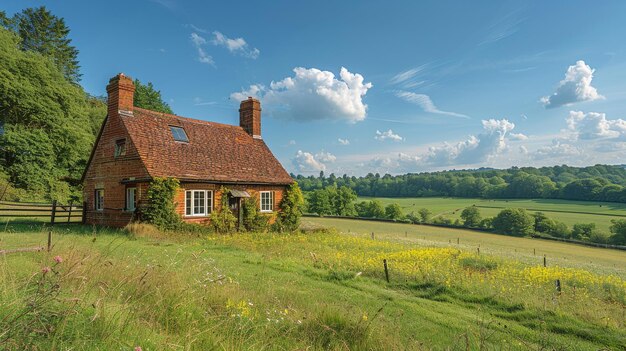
column 136, row 145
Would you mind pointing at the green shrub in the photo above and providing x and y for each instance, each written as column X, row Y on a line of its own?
column 514, row 221
column 222, row 218
column 161, row 208
column 471, row 217
column 252, row 219
column 291, row 207
column 393, row 211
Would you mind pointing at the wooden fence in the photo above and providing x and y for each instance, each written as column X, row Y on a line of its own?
column 52, row 213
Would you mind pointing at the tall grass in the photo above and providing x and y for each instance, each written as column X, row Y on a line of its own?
column 106, row 289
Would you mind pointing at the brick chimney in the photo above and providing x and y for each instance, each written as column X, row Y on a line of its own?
column 250, row 117
column 121, row 90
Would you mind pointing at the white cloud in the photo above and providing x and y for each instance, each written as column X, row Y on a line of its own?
column 575, row 87
column 382, row 136
column 307, row 162
column 237, row 45
column 518, row 136
column 198, row 43
column 474, row 150
column 425, row 103
column 343, row 141
column 255, row 90
column 558, row 150
column 325, row 157
column 313, row 94
column 523, row 150
column 594, row 125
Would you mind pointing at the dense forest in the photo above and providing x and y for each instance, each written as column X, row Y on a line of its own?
column 48, row 123
column 599, row 183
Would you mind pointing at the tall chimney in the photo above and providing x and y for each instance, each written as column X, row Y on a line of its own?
column 250, row 117
column 121, row 90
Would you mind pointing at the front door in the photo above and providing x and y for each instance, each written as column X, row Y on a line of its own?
column 235, row 203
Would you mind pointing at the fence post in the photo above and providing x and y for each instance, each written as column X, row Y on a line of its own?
column 54, row 212
column 372, row 235
column 84, row 219
column 69, row 214
column 49, row 240
column 544, row 261
column 386, row 270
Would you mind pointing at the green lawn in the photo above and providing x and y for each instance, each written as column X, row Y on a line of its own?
column 569, row 212
column 317, row 291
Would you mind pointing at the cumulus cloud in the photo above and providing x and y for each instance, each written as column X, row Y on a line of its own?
column 594, row 125
column 575, row 87
column 388, row 135
column 343, row 141
column 235, row 46
column 476, row 149
column 198, row 42
column 325, row 157
column 306, row 162
column 518, row 136
column 558, row 150
column 254, row 90
column 313, row 94
column 425, row 103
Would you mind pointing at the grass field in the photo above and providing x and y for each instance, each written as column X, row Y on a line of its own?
column 321, row 290
column 569, row 212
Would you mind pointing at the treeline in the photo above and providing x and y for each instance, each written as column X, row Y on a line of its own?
column 340, row 201
column 48, row 123
column 598, row 183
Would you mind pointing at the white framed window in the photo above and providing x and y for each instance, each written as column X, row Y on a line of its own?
column 267, row 201
column 131, row 199
column 98, row 200
column 198, row 202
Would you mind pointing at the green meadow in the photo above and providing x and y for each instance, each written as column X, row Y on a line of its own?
column 567, row 211
column 320, row 289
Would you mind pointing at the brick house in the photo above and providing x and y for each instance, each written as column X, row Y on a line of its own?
column 136, row 145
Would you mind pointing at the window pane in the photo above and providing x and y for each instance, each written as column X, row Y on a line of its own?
column 187, row 203
column 209, row 195
column 179, row 134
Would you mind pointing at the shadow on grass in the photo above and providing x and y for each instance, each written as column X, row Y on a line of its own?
column 516, row 312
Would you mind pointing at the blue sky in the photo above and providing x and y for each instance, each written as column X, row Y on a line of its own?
column 369, row 86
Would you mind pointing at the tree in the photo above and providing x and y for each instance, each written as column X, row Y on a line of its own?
column 343, row 200
column 41, row 31
column 618, row 229
column 513, row 221
column 543, row 224
column 291, row 207
column 425, row 214
column 320, row 202
column 48, row 131
column 584, row 231
column 471, row 217
column 149, row 98
column 393, row 211
column 375, row 209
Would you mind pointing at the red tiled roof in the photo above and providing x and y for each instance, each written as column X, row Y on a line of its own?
column 215, row 152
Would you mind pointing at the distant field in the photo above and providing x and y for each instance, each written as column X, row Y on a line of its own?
column 569, row 212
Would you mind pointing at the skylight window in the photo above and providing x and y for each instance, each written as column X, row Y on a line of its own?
column 179, row 134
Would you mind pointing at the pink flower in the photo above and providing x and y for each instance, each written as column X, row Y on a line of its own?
column 45, row 270
column 58, row 259
column 138, row 348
